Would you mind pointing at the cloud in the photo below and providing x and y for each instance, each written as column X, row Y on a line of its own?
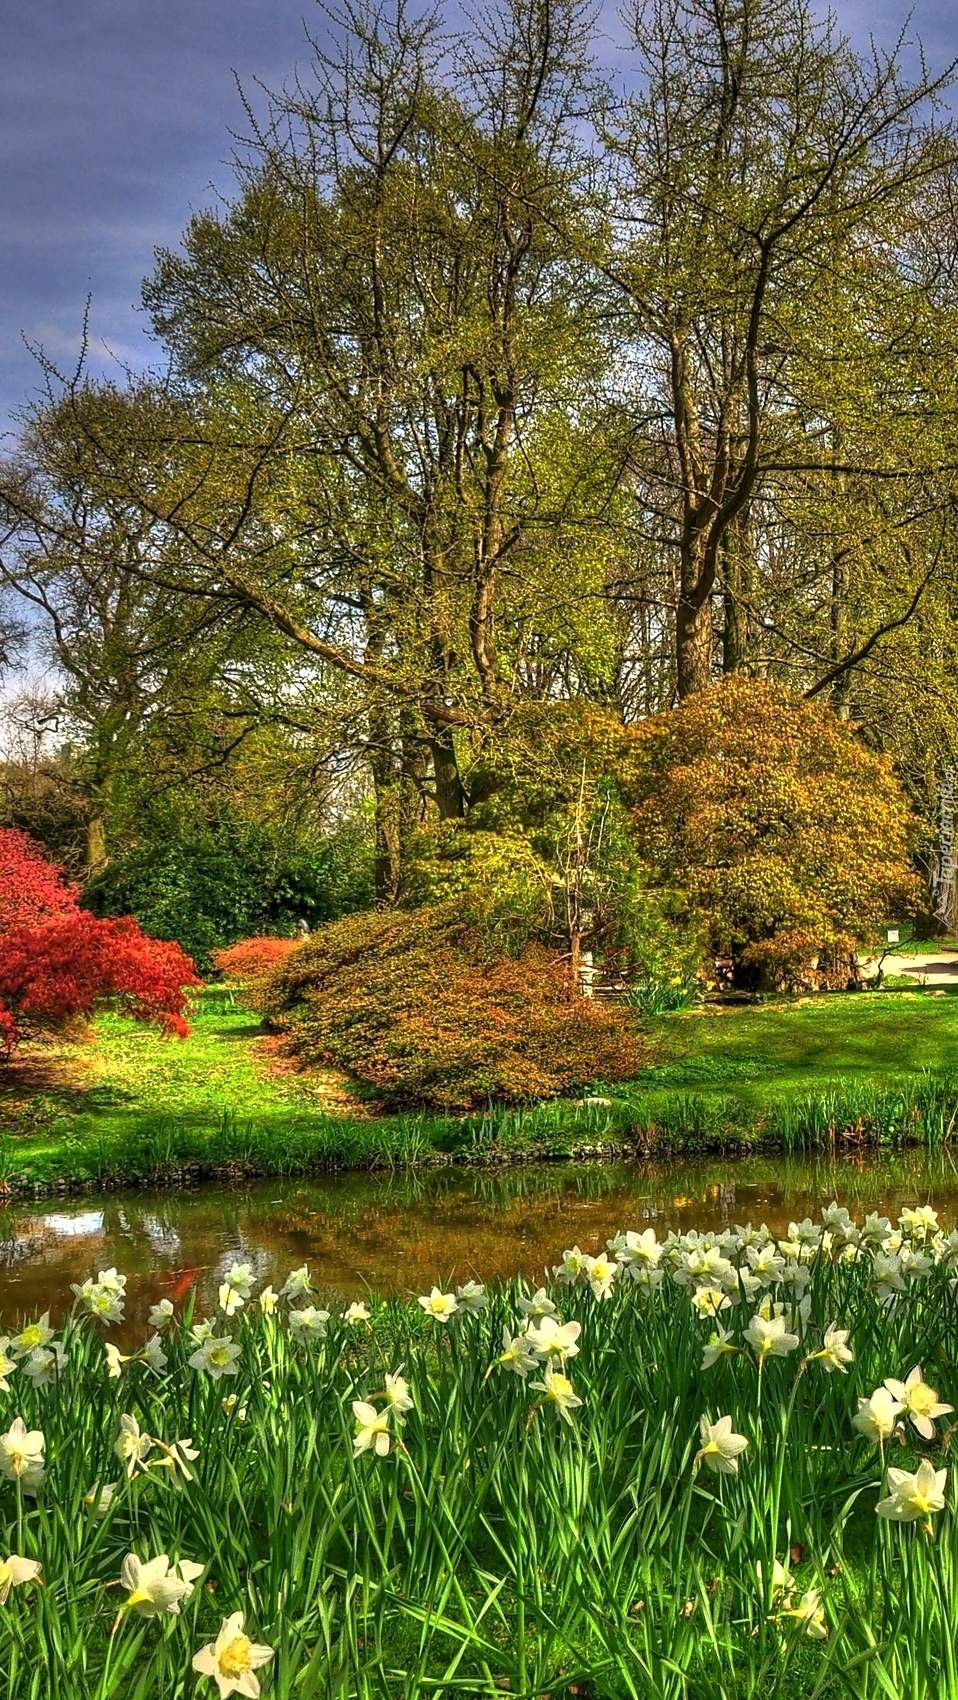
column 115, row 119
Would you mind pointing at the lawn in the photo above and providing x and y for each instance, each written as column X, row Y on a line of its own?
column 788, row 1047
column 127, row 1104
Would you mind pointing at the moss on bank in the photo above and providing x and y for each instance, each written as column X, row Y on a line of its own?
column 132, row 1107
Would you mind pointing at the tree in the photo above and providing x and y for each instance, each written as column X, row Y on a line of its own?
column 129, row 655
column 377, row 439
column 763, row 180
column 789, row 837
column 57, row 960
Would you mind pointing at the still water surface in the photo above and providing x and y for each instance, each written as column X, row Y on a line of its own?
column 402, row 1232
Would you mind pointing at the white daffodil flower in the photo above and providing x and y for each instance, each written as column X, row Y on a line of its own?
column 877, row 1229
column 914, row 1497
column 154, row 1355
column 21, row 1455
column 719, row 1345
column 539, row 1305
column 877, row 1417
column 156, row 1586
column 216, row 1357
column 637, row 1252
column 177, row 1459
column 516, row 1354
column 356, row 1313
column 13, row 1571
column 397, row 1396
column 239, row 1276
column 233, row 1660
column 230, row 1299
column 918, row 1222
column 45, row 1364
column 8, row 1365
column 161, row 1314
column 809, row 1613
column 230, row 1402
column 296, row 1284
column 267, row 1301
column 105, row 1305
column 308, row 1323
column 708, row 1300
column 721, row 1447
column 100, row 1497
column 372, row 1429
column 35, row 1334
column 472, row 1296
column 440, row 1306
column 782, row 1583
column 114, row 1359
column 558, row 1390
column 807, row 1233
column 553, row 1341
column 919, row 1402
column 601, row 1272
column 132, row 1447
column 768, row 1337
column 572, row 1268
column 835, row 1352
column 766, row 1263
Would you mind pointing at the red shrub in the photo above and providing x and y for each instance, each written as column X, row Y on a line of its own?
column 31, row 888
column 249, row 958
column 57, row 960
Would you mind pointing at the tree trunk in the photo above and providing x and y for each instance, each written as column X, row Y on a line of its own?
column 450, row 798
column 387, row 804
column 841, row 689
column 96, row 857
column 736, row 583
column 388, row 859
column 693, row 647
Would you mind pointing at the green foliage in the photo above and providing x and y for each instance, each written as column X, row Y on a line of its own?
column 663, row 997
column 210, row 882
column 425, row 1008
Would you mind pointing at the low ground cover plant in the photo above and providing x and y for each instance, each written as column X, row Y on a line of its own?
column 699, row 1468
column 427, row 1011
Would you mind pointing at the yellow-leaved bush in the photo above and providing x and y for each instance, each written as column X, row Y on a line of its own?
column 788, row 835
column 423, row 1007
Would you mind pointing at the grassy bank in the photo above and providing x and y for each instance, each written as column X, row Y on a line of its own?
column 130, row 1106
column 623, row 1501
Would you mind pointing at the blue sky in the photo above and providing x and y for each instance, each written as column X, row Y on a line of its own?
column 114, row 122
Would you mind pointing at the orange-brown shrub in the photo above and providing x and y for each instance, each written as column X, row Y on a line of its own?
column 418, row 1006
column 250, row 959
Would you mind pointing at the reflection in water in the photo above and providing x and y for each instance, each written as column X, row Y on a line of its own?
column 401, row 1232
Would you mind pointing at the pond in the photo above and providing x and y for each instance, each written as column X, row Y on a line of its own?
column 401, row 1232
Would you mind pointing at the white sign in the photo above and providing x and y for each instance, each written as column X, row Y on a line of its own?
column 893, row 935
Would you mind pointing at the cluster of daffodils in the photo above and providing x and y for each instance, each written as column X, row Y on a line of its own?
column 544, row 1343
column 215, row 1354
column 156, row 1587
column 745, row 1299
column 377, row 1424
column 35, row 1352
